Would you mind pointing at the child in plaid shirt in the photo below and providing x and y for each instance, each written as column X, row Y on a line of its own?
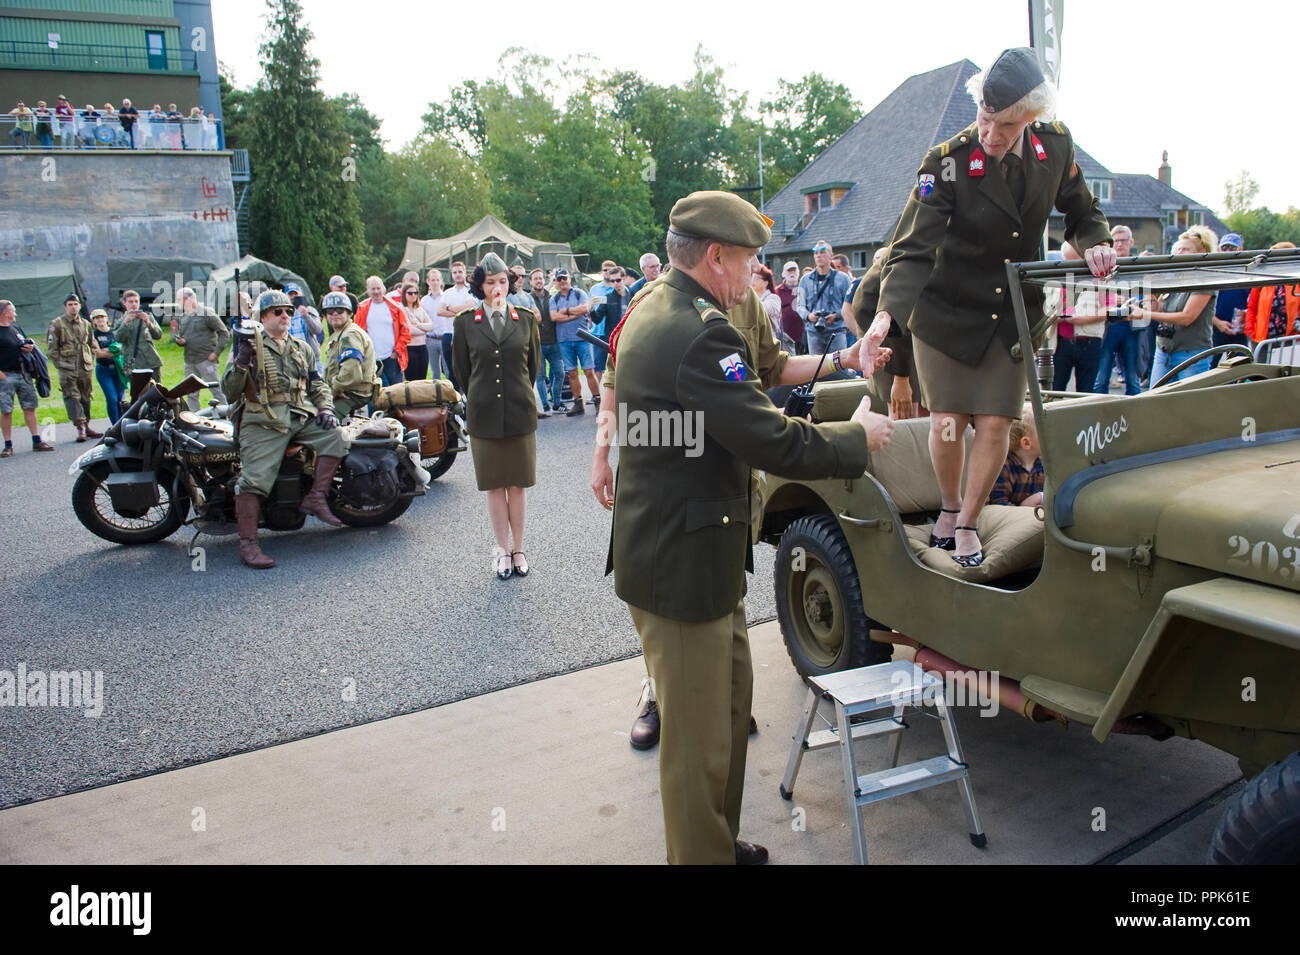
column 1021, row 479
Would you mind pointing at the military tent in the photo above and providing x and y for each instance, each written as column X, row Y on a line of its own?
column 255, row 276
column 38, row 289
column 155, row 278
column 489, row 234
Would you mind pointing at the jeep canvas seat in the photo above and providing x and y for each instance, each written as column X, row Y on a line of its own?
column 1012, row 537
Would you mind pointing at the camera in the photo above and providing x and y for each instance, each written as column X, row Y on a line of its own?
column 820, row 321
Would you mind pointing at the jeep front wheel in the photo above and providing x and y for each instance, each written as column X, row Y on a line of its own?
column 1262, row 826
column 819, row 600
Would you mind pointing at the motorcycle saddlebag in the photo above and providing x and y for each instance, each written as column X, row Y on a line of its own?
column 407, row 393
column 370, row 476
column 431, row 423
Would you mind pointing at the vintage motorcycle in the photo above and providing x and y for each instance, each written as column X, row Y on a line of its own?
column 161, row 461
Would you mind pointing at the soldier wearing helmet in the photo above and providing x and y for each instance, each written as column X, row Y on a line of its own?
column 349, row 357
column 282, row 399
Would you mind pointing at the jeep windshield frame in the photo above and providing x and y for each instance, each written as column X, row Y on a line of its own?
column 1149, row 275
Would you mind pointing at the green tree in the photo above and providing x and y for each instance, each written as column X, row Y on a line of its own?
column 803, row 119
column 236, row 107
column 1240, row 193
column 306, row 215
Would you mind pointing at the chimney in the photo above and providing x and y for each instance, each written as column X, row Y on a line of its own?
column 1165, row 174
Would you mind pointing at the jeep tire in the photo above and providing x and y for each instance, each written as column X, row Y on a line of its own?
column 819, row 600
column 1262, row 825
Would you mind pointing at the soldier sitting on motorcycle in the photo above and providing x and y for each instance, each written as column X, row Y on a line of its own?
column 349, row 357
column 282, row 400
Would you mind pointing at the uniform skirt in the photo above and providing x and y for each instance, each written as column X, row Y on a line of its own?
column 505, row 462
column 995, row 386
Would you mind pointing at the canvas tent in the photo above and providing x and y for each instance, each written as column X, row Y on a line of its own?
column 38, row 289
column 257, row 273
column 154, row 278
column 489, row 234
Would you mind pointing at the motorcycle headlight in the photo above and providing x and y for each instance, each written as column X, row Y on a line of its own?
column 135, row 433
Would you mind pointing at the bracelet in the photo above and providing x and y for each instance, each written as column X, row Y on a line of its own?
column 835, row 360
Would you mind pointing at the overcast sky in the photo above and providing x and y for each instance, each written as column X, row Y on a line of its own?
column 1207, row 81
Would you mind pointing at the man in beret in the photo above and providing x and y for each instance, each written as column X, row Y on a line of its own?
column 681, row 539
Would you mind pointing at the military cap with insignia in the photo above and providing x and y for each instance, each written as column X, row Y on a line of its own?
column 1013, row 74
column 492, row 264
column 720, row 217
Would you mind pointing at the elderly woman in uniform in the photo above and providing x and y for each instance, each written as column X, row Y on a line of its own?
column 982, row 200
column 496, row 353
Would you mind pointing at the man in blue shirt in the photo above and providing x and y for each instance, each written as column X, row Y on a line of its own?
column 1230, row 308
column 821, row 299
column 650, row 269
column 569, row 308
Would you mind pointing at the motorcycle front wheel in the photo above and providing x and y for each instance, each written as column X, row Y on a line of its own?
column 94, row 508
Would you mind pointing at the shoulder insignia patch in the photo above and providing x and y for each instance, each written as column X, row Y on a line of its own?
column 347, row 353
column 925, row 185
column 733, row 367
column 707, row 311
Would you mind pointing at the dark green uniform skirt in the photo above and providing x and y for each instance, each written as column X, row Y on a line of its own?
column 505, row 462
column 996, row 386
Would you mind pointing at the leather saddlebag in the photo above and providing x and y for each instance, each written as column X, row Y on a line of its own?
column 431, row 423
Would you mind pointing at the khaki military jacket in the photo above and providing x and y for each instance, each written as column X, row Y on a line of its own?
column 69, row 343
column 945, row 277
column 204, row 334
column 750, row 319
column 681, row 510
column 136, row 338
column 291, row 385
column 350, row 364
column 497, row 373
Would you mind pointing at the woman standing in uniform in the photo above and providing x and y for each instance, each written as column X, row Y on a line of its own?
column 981, row 201
column 496, row 353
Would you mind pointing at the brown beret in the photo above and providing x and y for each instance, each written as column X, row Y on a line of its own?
column 720, row 217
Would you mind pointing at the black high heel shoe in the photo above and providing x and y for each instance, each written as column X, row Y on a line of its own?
column 944, row 543
column 969, row 560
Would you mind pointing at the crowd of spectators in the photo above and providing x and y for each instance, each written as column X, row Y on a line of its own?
column 108, row 127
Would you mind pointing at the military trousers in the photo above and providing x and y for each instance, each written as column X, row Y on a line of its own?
column 261, row 449
column 208, row 371
column 77, row 392
column 704, row 682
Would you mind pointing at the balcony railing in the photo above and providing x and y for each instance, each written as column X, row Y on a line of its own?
column 105, row 132
column 95, row 56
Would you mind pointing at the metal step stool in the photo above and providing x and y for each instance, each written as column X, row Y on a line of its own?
column 881, row 691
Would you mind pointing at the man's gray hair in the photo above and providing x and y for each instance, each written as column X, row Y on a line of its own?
column 1039, row 103
column 647, row 257
column 685, row 251
column 5, row 305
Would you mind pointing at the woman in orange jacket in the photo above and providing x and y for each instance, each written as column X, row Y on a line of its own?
column 1271, row 309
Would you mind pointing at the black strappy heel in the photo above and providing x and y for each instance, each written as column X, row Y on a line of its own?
column 969, row 560
column 944, row 543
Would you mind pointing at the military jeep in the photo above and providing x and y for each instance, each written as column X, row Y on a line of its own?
column 1156, row 591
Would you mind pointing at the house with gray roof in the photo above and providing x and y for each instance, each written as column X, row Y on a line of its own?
column 853, row 193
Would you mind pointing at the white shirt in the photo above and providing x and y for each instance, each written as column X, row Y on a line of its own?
column 379, row 325
column 1086, row 305
column 441, row 324
column 457, row 299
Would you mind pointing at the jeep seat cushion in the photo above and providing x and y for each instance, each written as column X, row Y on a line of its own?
column 904, row 467
column 1012, row 538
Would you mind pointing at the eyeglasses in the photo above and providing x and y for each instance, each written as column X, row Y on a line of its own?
column 821, row 248
column 281, row 310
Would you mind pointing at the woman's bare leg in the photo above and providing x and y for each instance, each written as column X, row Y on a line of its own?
column 498, row 511
column 948, row 453
column 516, row 510
column 987, row 455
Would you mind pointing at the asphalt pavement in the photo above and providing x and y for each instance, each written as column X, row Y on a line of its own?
column 353, row 625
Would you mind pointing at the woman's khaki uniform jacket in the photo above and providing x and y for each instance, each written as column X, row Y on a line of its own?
column 945, row 277
column 497, row 374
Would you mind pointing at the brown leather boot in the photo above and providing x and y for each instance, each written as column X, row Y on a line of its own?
column 247, row 508
column 316, row 500
column 81, row 431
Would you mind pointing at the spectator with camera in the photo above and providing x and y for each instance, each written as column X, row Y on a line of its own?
column 136, row 334
column 821, row 297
